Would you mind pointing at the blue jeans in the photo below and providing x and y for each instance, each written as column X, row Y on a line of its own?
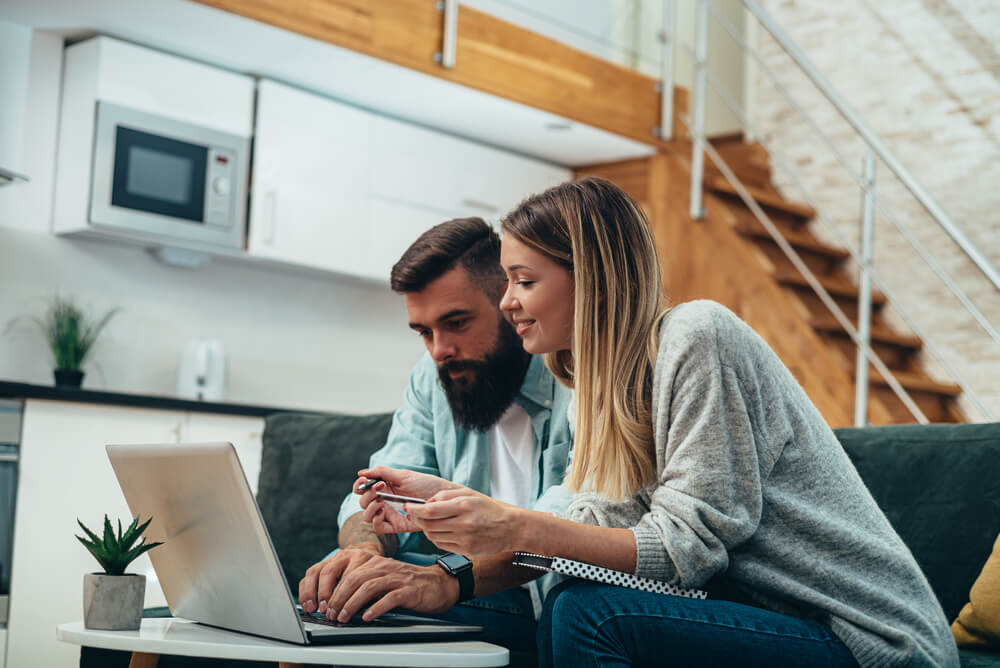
column 587, row 624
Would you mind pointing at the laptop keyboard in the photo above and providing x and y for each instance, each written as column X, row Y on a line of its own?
column 355, row 622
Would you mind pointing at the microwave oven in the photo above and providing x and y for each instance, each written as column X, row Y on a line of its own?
column 169, row 182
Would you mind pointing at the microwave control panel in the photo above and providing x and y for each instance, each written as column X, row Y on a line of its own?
column 219, row 181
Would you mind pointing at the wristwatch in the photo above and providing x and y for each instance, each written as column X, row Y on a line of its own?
column 460, row 567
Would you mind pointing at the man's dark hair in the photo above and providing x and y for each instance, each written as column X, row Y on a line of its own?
column 466, row 241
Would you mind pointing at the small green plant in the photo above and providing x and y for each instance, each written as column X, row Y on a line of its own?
column 70, row 333
column 115, row 553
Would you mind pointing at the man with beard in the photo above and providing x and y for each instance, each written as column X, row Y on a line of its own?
column 478, row 411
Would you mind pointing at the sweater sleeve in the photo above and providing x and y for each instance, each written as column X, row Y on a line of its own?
column 707, row 499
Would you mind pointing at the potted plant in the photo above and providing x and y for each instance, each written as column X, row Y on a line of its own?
column 70, row 336
column 112, row 600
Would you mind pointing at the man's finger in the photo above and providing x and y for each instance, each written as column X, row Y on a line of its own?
column 327, row 581
column 398, row 598
column 352, row 580
column 368, row 592
column 307, row 588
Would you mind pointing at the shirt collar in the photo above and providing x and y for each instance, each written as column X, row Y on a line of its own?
column 538, row 384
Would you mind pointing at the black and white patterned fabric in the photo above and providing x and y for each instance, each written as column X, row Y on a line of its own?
column 579, row 569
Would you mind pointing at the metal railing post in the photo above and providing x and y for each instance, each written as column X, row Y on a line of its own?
column 865, row 292
column 449, row 39
column 698, row 140
column 666, row 130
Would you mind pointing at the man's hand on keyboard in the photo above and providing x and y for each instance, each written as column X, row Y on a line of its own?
column 387, row 584
column 320, row 579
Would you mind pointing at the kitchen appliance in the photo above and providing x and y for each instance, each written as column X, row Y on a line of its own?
column 201, row 373
column 168, row 181
column 11, row 412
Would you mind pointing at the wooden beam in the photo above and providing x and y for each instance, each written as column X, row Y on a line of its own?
column 493, row 56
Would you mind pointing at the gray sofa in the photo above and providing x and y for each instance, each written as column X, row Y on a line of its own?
column 939, row 485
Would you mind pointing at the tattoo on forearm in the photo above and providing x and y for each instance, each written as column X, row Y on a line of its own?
column 356, row 530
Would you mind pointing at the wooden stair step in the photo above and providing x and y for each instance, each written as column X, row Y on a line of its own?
column 879, row 333
column 799, row 239
column 767, row 200
column 837, row 287
column 749, row 161
column 916, row 382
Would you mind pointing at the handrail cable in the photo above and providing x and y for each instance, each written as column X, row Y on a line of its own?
column 876, row 277
column 875, row 143
column 882, row 209
column 814, row 283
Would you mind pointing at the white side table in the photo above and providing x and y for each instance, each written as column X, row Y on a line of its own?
column 179, row 636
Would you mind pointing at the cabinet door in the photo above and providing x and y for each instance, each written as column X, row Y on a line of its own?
column 502, row 180
column 419, row 167
column 395, row 225
column 309, row 200
column 452, row 177
column 64, row 474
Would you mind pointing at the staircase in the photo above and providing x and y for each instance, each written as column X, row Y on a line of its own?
column 899, row 351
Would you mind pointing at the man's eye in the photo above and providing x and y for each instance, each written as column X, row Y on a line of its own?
column 424, row 333
column 459, row 324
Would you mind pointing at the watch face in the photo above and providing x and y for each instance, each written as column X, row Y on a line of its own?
column 454, row 562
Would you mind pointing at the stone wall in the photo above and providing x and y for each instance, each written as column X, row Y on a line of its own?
column 925, row 75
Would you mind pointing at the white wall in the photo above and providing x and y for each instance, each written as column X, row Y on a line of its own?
column 925, row 76
column 292, row 340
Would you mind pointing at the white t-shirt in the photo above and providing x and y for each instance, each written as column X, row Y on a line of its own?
column 512, row 453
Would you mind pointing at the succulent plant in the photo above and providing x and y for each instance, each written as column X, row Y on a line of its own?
column 115, row 553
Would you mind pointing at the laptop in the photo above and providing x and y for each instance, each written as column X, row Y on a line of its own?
column 217, row 565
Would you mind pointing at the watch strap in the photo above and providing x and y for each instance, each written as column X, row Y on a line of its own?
column 466, row 585
column 466, row 580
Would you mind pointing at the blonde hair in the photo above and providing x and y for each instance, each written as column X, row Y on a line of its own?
column 599, row 233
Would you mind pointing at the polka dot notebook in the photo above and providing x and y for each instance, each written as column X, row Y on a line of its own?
column 579, row 569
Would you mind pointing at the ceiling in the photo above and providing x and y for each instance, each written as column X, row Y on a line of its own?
column 233, row 42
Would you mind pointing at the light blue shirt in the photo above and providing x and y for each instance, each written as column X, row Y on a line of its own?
column 425, row 437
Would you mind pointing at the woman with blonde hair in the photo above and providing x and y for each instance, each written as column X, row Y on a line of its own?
column 698, row 461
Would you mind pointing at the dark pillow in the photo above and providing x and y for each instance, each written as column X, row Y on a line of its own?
column 308, row 465
column 939, row 485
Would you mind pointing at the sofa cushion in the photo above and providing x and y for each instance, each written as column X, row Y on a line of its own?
column 978, row 624
column 939, row 485
column 308, row 464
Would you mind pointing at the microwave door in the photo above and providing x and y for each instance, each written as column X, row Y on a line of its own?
column 155, row 174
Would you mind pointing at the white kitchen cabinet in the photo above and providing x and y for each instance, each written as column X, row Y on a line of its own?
column 395, row 225
column 433, row 171
column 340, row 189
column 65, row 474
column 309, row 199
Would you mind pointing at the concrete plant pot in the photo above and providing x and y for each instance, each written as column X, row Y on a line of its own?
column 113, row 602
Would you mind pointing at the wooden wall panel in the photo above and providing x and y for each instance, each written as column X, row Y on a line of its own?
column 492, row 55
column 707, row 259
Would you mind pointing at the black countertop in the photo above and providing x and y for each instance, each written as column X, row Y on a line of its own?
column 13, row 390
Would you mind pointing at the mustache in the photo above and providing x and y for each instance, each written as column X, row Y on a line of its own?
column 461, row 365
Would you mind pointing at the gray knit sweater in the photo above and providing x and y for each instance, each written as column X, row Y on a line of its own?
column 752, row 484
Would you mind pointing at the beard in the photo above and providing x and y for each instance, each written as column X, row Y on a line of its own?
column 480, row 399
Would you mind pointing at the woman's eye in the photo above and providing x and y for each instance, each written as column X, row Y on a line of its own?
column 524, row 283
